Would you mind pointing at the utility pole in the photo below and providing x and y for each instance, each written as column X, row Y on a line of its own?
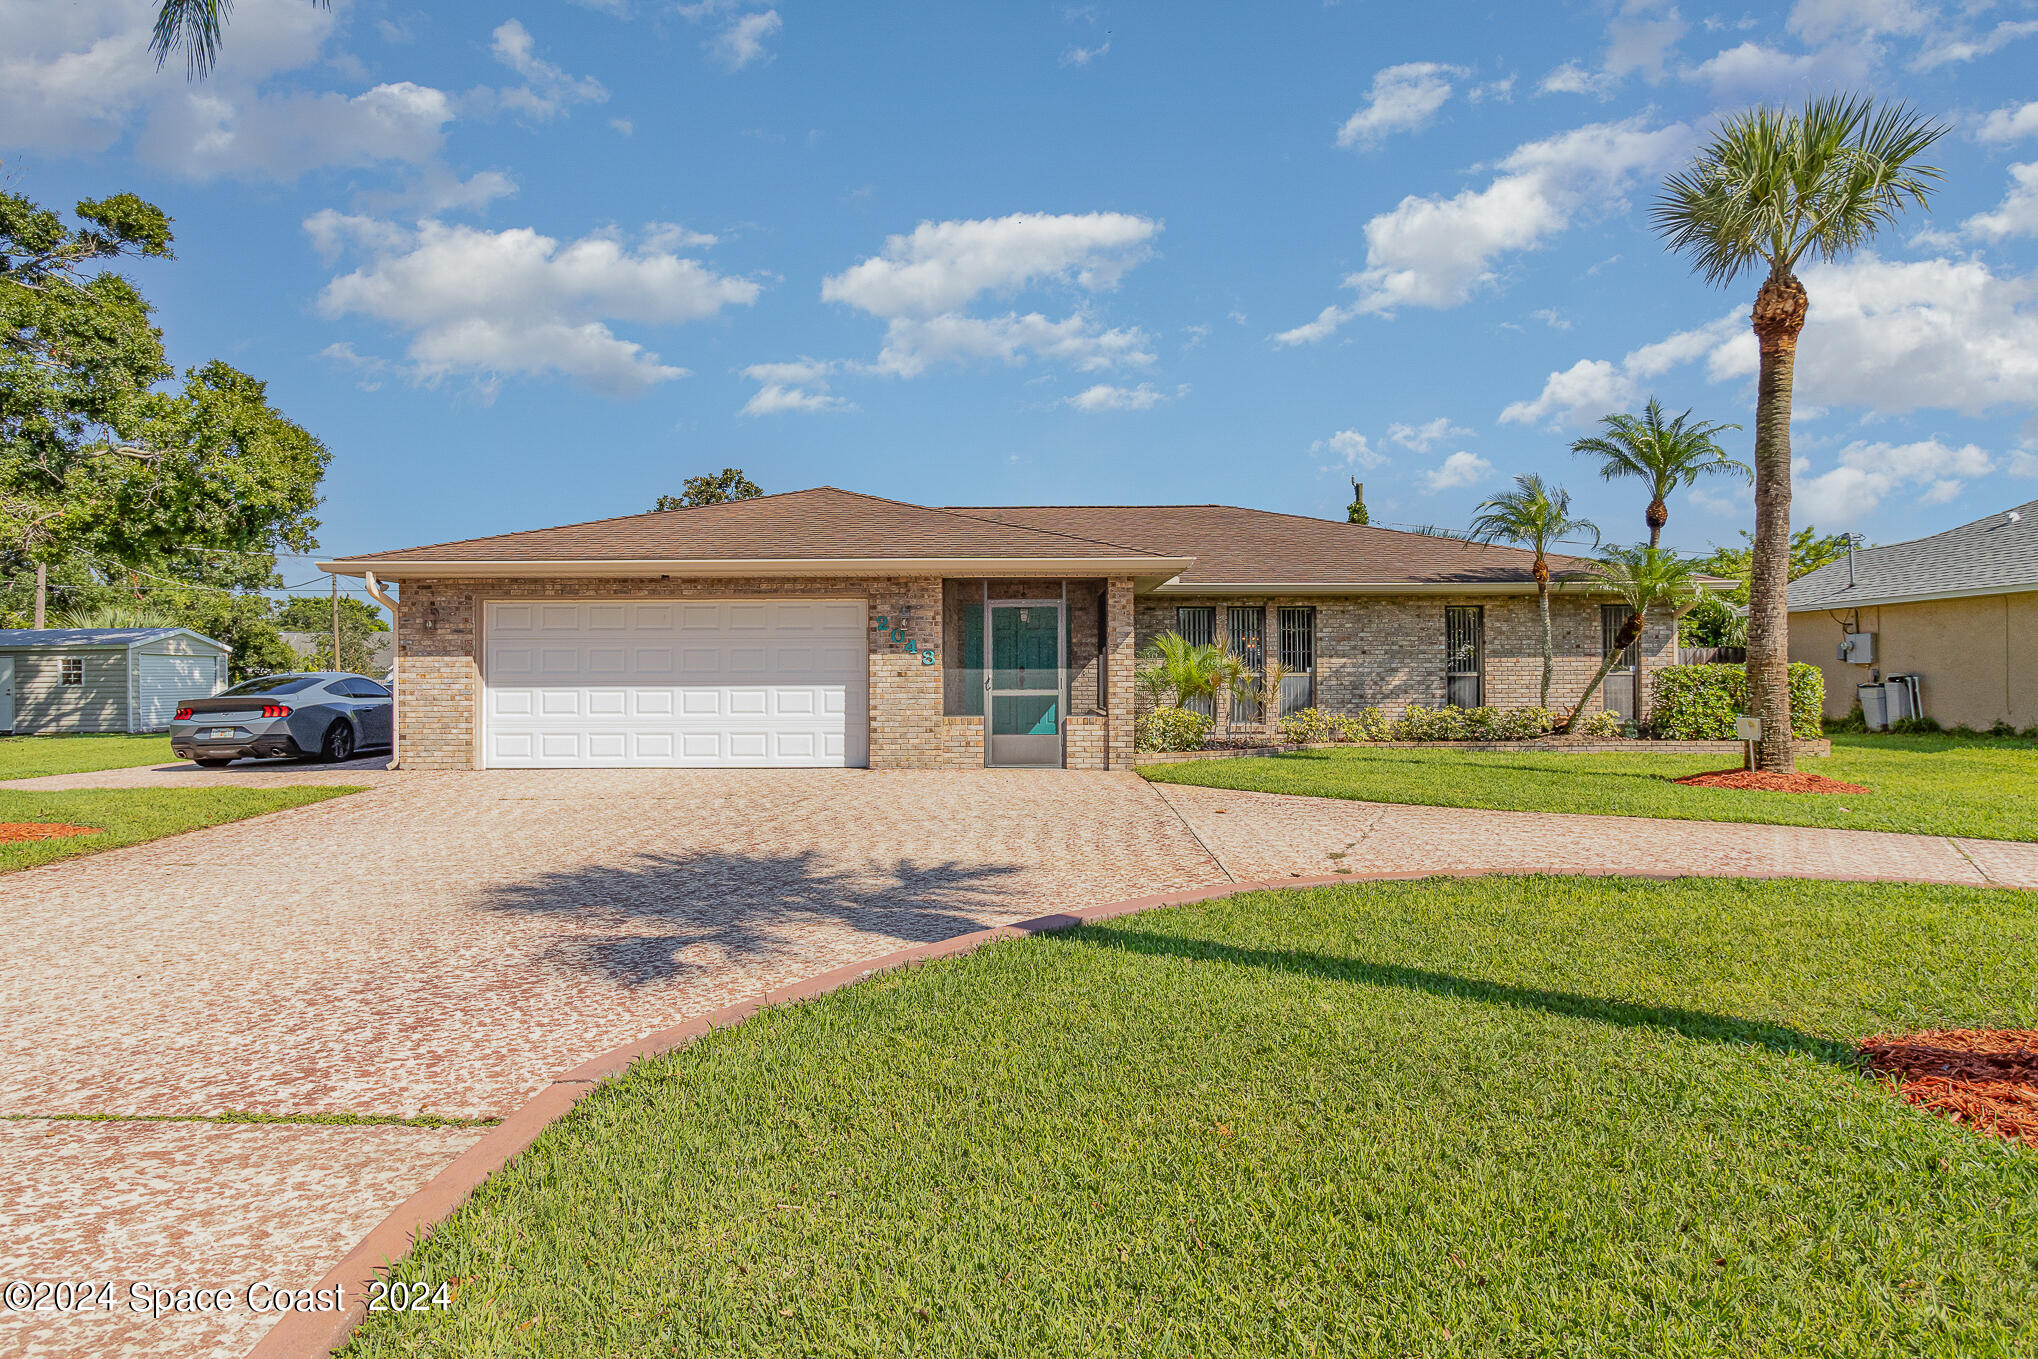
column 335, row 578
column 42, row 594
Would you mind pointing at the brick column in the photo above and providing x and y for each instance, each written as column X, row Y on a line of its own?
column 1118, row 661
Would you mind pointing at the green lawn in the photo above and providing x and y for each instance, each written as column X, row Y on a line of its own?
column 28, row 757
column 125, row 816
column 1527, row 1116
column 1936, row 785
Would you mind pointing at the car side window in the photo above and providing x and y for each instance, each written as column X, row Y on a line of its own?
column 368, row 689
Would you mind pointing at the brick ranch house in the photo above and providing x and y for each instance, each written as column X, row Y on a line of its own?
column 824, row 627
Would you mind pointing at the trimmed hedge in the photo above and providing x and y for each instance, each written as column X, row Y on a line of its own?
column 1314, row 726
column 1171, row 729
column 1700, row 702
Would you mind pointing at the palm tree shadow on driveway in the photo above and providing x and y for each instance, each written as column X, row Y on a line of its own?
column 666, row 915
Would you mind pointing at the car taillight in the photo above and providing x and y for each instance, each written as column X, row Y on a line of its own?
column 183, row 715
column 275, row 710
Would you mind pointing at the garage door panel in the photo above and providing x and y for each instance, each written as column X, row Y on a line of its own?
column 619, row 683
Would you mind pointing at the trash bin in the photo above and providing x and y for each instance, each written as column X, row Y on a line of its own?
column 1897, row 700
column 1874, row 705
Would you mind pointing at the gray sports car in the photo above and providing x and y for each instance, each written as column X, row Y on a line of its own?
column 329, row 715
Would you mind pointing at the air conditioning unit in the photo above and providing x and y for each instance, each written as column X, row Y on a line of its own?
column 1858, row 648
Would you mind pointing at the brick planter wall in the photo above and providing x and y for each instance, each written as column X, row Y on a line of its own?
column 1730, row 750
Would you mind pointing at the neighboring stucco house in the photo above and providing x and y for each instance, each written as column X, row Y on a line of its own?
column 824, row 627
column 1959, row 608
column 68, row 680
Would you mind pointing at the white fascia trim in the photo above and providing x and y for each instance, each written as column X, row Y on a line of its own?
column 762, row 566
column 1876, row 601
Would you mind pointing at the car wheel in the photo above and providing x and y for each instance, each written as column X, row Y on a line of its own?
column 339, row 742
column 214, row 763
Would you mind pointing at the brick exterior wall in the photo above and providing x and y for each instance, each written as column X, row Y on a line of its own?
column 1387, row 651
column 439, row 669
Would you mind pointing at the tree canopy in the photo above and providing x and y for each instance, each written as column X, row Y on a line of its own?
column 125, row 479
column 715, row 488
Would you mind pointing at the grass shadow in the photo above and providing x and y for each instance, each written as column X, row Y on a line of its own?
column 1688, row 1023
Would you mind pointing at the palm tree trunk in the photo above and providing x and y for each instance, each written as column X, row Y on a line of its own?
column 1549, row 641
column 1778, row 317
column 1658, row 515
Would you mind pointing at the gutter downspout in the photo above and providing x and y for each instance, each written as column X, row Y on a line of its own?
column 383, row 597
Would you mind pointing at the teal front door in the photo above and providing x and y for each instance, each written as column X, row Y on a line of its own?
column 1024, row 685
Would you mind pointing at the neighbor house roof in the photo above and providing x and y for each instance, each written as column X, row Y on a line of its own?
column 1990, row 556
column 821, row 531
column 39, row 639
column 1259, row 549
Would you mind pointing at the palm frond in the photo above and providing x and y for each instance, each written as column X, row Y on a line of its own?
column 195, row 27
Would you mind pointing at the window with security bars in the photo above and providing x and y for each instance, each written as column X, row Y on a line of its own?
column 1245, row 629
column 1198, row 625
column 1612, row 618
column 1465, row 655
column 1298, row 657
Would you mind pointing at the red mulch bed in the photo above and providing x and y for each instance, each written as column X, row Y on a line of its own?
column 40, row 830
column 1763, row 781
column 1984, row 1078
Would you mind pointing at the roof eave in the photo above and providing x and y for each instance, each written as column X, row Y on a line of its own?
column 398, row 569
column 1844, row 601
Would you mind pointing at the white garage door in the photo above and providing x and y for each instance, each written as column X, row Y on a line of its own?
column 707, row 682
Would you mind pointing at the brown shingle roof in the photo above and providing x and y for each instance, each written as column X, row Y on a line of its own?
column 824, row 524
column 1235, row 546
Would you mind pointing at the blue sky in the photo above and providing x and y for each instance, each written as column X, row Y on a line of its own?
column 522, row 264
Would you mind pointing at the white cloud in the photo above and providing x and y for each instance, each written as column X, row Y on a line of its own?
column 1439, row 252
column 515, row 302
column 1421, row 438
column 2011, row 122
column 1573, row 78
column 1953, row 49
column 1083, row 56
column 1753, row 68
column 742, row 42
column 547, row 90
column 1105, row 397
column 1886, row 336
column 1459, row 470
column 1930, row 472
column 1403, row 99
column 1823, row 21
column 915, row 343
column 619, row 9
column 798, row 386
column 1351, row 446
column 2023, row 463
column 941, row 266
column 2017, row 214
column 1640, row 37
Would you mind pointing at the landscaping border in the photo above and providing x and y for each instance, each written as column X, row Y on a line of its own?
column 299, row 1334
column 1805, row 750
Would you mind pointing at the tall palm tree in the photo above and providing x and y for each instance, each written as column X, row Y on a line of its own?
column 197, row 27
column 1770, row 189
column 1535, row 516
column 1648, row 580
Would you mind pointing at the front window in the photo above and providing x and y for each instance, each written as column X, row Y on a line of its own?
column 73, row 670
column 1298, row 658
column 1244, row 628
column 1465, row 655
column 1197, row 623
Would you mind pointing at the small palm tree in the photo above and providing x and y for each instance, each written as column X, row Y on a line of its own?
column 1649, row 581
column 139, row 614
column 1770, row 189
column 1666, row 455
column 1535, row 516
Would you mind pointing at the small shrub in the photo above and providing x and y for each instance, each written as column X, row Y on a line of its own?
column 1171, row 729
column 1307, row 726
column 1855, row 721
column 2001, row 728
column 1604, row 723
column 1525, row 724
column 1431, row 724
column 1919, row 726
column 1700, row 702
column 1367, row 724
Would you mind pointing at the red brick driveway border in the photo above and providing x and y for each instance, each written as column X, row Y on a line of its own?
column 309, row 1333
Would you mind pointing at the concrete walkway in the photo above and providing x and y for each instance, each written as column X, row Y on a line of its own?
column 448, row 943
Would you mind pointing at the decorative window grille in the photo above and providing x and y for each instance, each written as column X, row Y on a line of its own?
column 1465, row 655
column 1298, row 658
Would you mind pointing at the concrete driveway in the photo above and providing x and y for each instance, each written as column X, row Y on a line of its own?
column 445, row 944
